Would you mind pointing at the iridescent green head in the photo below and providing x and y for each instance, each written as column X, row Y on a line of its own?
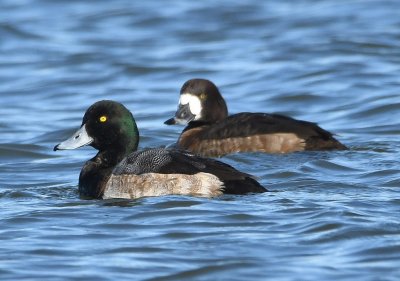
column 107, row 126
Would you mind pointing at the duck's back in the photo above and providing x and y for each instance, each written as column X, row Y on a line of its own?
column 271, row 133
column 155, row 172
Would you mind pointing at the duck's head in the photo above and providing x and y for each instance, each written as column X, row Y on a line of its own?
column 107, row 126
column 200, row 100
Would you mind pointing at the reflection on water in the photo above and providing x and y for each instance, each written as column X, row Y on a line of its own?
column 329, row 215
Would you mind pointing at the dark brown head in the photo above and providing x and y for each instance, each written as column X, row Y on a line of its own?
column 200, row 100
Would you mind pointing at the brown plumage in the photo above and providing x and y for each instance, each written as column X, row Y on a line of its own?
column 211, row 132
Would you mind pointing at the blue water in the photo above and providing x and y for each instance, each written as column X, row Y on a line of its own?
column 329, row 215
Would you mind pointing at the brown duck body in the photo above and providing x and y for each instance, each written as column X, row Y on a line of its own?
column 252, row 132
column 211, row 131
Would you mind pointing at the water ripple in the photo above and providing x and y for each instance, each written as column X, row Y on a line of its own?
column 327, row 215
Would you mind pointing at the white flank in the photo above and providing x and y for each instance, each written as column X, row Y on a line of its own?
column 153, row 184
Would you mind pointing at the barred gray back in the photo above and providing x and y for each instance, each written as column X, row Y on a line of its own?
column 144, row 161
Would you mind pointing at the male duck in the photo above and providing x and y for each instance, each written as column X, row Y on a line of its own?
column 211, row 132
column 119, row 171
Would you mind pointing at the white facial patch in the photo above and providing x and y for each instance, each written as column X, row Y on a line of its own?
column 194, row 104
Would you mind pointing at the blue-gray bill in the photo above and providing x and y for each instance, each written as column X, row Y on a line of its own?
column 78, row 139
column 182, row 116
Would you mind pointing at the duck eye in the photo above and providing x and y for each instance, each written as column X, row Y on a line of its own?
column 103, row 119
column 203, row 96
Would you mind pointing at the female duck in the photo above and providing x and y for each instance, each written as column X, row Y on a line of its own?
column 211, row 132
column 119, row 171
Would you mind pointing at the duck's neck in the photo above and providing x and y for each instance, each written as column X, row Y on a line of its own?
column 96, row 172
column 111, row 157
column 196, row 124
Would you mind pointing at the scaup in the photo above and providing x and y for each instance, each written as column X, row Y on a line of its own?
column 119, row 171
column 211, row 132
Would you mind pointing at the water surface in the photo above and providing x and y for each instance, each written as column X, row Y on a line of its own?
column 328, row 215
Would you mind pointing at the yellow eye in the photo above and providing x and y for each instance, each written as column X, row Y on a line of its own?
column 103, row 119
column 203, row 96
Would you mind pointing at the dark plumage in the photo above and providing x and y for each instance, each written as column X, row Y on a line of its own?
column 119, row 171
column 211, row 132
